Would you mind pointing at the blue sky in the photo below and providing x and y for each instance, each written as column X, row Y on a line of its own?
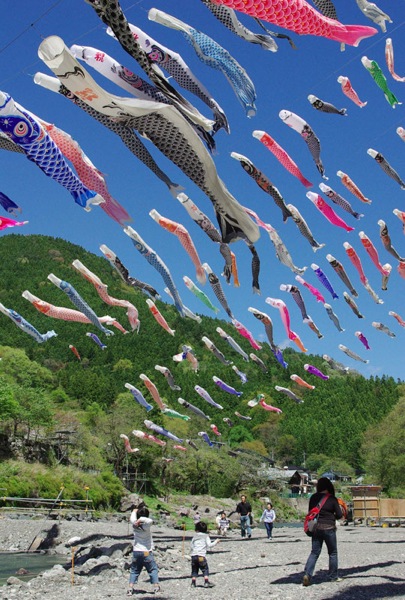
column 283, row 80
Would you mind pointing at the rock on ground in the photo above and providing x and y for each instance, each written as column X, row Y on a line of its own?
column 371, row 561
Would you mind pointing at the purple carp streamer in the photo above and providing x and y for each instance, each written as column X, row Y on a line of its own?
column 215, row 56
column 217, row 289
column 164, row 126
column 302, row 18
column 78, row 301
column 386, row 167
column 314, row 371
column 96, row 340
column 8, row 205
column 242, row 376
column 225, row 387
column 185, row 240
column 324, row 280
column 124, row 273
column 25, row 326
column 157, row 263
column 66, row 314
column 127, row 135
column 228, row 18
column 232, row 343
column 102, row 290
column 209, row 228
column 360, row 336
column 138, row 396
column 306, row 132
column 326, row 107
column 25, row 130
column 263, row 182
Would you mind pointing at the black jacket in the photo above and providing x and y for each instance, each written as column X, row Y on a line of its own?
column 243, row 508
column 330, row 511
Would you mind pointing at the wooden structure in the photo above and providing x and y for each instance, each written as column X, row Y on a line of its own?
column 366, row 501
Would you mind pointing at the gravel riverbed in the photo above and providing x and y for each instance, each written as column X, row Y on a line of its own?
column 371, row 562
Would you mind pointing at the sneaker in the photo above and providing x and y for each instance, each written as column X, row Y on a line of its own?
column 193, row 584
column 208, row 584
column 250, row 535
column 156, row 589
column 306, row 581
column 337, row 579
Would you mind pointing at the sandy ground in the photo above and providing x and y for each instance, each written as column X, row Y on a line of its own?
column 371, row 562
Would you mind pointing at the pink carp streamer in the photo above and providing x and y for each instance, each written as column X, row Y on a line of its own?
column 327, row 211
column 148, row 436
column 301, row 17
column 281, row 155
column 127, row 444
column 87, row 172
column 185, row 240
column 101, row 289
column 5, row 223
column 311, row 288
column 401, row 216
column 389, row 57
column 246, row 334
column 352, row 187
column 159, row 317
column 350, row 92
column 372, row 252
column 301, row 382
column 153, row 391
column 260, row 399
column 67, row 314
column 397, row 317
column 285, row 317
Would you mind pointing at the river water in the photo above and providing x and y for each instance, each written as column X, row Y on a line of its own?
column 10, row 562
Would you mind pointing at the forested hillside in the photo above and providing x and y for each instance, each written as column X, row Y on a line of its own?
column 52, row 390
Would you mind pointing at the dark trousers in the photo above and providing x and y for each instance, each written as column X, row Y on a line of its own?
column 199, row 563
column 329, row 537
column 269, row 529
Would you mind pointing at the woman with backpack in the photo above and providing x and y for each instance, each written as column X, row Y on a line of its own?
column 325, row 531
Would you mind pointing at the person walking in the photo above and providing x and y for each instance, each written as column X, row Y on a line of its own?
column 268, row 517
column 325, row 530
column 244, row 510
column 200, row 543
column 142, row 550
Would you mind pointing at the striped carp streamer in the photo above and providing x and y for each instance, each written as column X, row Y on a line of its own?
column 288, row 393
column 25, row 326
column 217, row 353
column 66, row 314
column 352, row 305
column 362, row 338
column 25, row 130
column 157, row 263
column 263, row 182
column 164, row 126
column 168, row 376
column 326, row 107
column 79, row 302
column 340, row 271
column 215, row 56
column 159, row 318
column 308, row 134
column 352, row 354
column 124, row 273
column 386, row 167
column 339, row 200
column 352, row 187
column 376, row 73
column 327, row 211
column 389, row 57
column 185, row 240
column 301, row 17
column 282, row 156
column 350, row 92
column 87, row 172
column 303, row 227
column 96, row 340
column 102, row 291
column 374, row 13
column 138, row 396
column 11, row 207
column 199, row 293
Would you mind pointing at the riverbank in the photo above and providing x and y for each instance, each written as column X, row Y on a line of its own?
column 371, row 561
